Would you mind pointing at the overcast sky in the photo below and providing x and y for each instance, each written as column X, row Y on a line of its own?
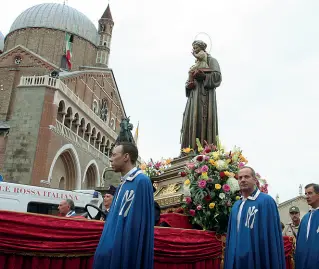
column 268, row 102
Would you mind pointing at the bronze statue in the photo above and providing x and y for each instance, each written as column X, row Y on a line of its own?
column 125, row 134
column 200, row 116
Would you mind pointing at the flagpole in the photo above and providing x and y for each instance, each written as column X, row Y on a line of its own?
column 136, row 132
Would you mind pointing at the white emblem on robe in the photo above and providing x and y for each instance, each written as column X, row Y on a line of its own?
column 250, row 218
column 318, row 230
column 126, row 203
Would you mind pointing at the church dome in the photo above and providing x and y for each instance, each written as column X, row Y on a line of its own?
column 57, row 16
column 1, row 41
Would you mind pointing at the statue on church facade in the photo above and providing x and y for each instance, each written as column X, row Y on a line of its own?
column 200, row 115
column 125, row 134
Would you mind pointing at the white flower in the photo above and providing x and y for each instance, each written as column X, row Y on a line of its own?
column 233, row 184
column 221, row 165
column 222, row 195
column 187, row 191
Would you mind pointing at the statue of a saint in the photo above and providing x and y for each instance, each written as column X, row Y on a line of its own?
column 103, row 110
column 200, row 116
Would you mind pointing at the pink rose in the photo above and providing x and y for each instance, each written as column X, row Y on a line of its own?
column 199, row 207
column 188, row 200
column 198, row 171
column 210, row 180
column 191, row 166
column 204, row 168
column 192, row 212
column 241, row 165
column 206, row 158
column 226, row 188
column 202, row 184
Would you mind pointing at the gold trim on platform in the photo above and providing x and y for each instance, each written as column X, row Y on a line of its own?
column 169, row 200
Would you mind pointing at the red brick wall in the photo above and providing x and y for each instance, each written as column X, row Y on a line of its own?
column 50, row 44
column 10, row 74
column 40, row 165
column 89, row 89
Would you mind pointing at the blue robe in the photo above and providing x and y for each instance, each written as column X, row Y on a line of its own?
column 127, row 241
column 257, row 243
column 307, row 250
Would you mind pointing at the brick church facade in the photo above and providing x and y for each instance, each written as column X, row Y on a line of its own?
column 58, row 121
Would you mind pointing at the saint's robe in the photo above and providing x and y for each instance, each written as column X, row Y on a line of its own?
column 254, row 239
column 127, row 241
column 307, row 247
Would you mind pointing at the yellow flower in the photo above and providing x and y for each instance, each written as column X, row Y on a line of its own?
column 211, row 205
column 168, row 161
column 187, row 182
column 237, row 197
column 143, row 166
column 243, row 159
column 204, row 175
column 187, row 150
column 229, row 174
column 212, row 162
column 218, row 186
column 216, row 155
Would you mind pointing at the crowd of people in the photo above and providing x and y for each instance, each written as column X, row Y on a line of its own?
column 254, row 237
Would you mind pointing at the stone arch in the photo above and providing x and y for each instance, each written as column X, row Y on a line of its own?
column 75, row 122
column 98, row 140
column 66, row 158
column 102, row 147
column 93, row 136
column 82, row 128
column 61, row 111
column 91, row 176
column 68, row 117
column 87, row 132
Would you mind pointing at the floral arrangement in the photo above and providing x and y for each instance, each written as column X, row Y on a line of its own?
column 152, row 168
column 211, row 186
column 262, row 183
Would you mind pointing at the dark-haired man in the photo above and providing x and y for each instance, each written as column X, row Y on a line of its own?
column 254, row 239
column 127, row 241
column 307, row 250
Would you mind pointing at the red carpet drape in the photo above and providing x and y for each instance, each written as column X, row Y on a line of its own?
column 31, row 241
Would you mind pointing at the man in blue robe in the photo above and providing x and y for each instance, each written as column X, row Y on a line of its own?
column 127, row 241
column 307, row 250
column 254, row 238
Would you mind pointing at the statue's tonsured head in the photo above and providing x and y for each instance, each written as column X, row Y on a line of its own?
column 200, row 43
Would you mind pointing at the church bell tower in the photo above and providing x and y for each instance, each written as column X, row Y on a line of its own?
column 105, row 33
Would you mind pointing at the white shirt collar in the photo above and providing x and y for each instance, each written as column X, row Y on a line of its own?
column 313, row 209
column 128, row 174
column 253, row 196
column 70, row 213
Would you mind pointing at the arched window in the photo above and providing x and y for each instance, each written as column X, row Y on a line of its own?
column 95, row 106
column 112, row 124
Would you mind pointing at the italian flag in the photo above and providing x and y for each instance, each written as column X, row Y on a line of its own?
column 68, row 50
